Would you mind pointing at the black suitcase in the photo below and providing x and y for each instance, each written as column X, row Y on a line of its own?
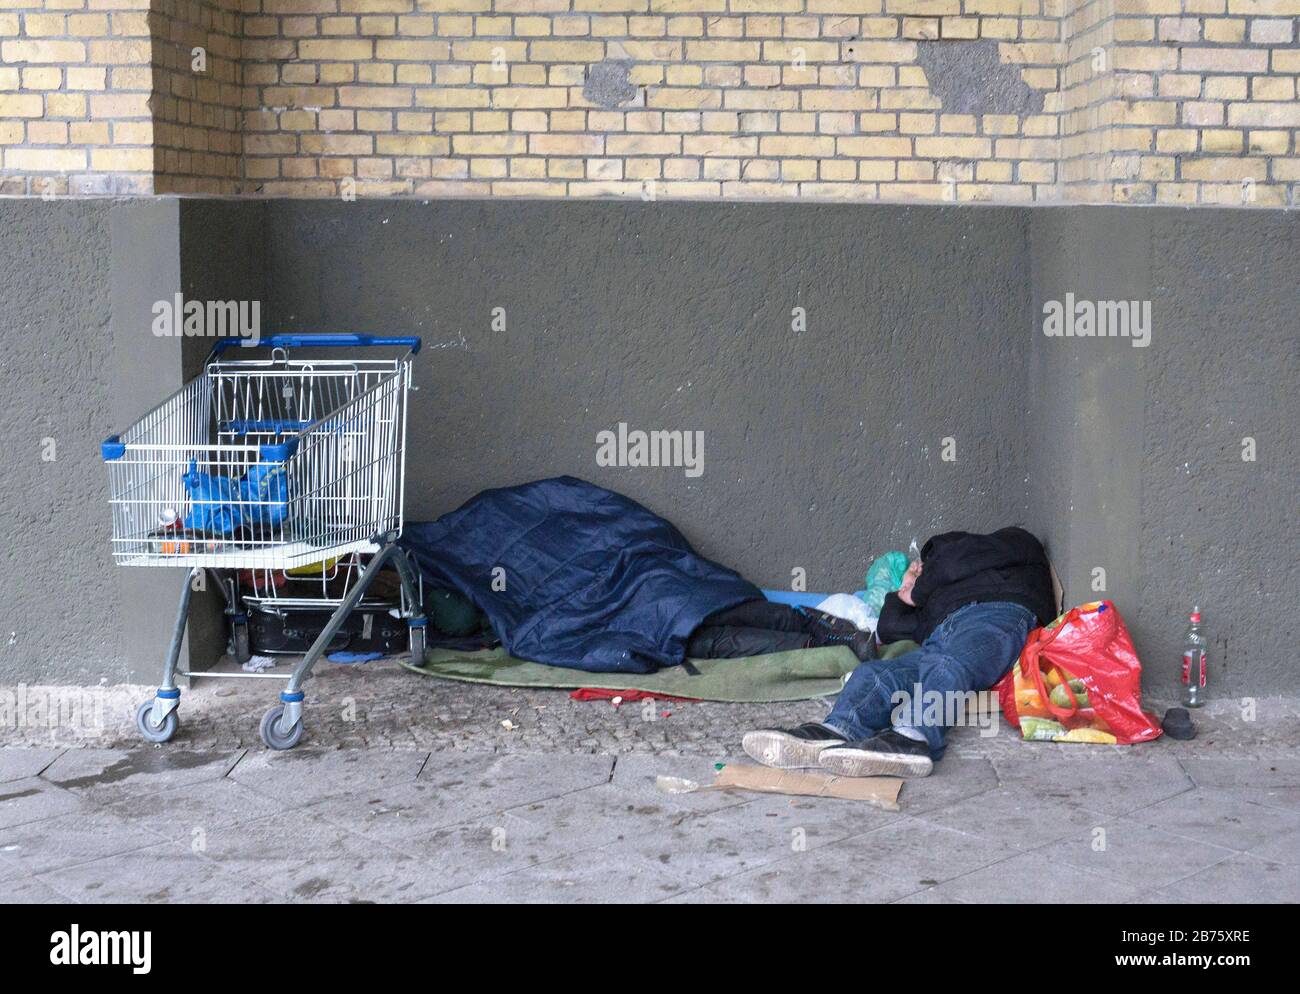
column 292, row 630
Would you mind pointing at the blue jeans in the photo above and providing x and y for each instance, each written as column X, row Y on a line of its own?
column 970, row 650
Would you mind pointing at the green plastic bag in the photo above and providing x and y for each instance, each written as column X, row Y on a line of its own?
column 883, row 576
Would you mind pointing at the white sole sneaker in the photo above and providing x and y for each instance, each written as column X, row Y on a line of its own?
column 847, row 761
column 783, row 750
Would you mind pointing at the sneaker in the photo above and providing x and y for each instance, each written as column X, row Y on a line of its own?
column 790, row 748
column 863, row 645
column 888, row 754
column 830, row 630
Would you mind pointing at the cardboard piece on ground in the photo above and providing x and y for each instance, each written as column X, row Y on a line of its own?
column 882, row 792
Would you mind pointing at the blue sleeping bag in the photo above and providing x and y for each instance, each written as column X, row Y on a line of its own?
column 574, row 575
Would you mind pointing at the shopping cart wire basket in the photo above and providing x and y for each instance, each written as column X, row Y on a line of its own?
column 269, row 461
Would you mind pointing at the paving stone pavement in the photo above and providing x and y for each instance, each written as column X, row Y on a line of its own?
column 410, row 789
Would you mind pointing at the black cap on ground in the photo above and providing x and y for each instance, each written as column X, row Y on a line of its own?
column 1178, row 724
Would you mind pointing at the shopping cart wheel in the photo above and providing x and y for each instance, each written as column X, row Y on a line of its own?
column 271, row 733
column 151, row 732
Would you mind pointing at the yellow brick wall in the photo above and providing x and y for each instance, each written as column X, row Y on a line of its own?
column 198, row 100
column 75, row 86
column 1176, row 101
column 1205, row 108
column 1181, row 102
column 725, row 98
column 1087, row 92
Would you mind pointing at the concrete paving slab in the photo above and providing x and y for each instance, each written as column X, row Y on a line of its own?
column 169, row 873
column 53, row 843
column 291, row 834
column 711, row 846
column 583, row 878
column 29, row 890
column 108, row 775
column 186, row 812
column 827, row 874
column 19, row 763
column 459, row 789
column 390, row 814
column 34, row 799
column 1134, row 854
column 1015, row 817
column 303, row 858
column 305, row 776
column 1283, row 848
column 635, row 777
column 1209, row 771
column 591, row 818
column 1220, row 817
column 953, row 779
column 478, row 852
column 931, row 895
column 1113, row 780
column 1283, row 798
column 1032, row 878
column 1240, row 879
column 923, row 854
column 9, row 869
column 361, row 879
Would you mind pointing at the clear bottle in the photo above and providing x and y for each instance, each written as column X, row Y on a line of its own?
column 1194, row 669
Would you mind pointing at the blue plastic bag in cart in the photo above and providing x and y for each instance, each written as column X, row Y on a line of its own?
column 221, row 504
column 267, row 486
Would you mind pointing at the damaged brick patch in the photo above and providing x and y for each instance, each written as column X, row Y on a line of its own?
column 608, row 83
column 969, row 78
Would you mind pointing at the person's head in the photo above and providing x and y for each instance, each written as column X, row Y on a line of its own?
column 909, row 580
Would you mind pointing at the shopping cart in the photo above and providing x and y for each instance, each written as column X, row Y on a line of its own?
column 266, row 464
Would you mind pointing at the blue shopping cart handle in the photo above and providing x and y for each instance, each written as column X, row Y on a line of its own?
column 112, row 448
column 316, row 341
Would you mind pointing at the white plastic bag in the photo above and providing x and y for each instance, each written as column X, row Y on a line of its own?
column 851, row 608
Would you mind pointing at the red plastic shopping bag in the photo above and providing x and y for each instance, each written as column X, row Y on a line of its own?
column 1079, row 680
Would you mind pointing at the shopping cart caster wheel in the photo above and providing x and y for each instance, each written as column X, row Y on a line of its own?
column 271, row 733
column 155, row 733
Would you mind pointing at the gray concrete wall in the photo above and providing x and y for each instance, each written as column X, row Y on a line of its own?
column 822, row 447
column 1150, row 440
column 77, row 280
column 1084, row 405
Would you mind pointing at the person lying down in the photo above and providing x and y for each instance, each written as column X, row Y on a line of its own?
column 970, row 602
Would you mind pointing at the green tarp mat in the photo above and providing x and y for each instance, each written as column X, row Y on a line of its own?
column 779, row 676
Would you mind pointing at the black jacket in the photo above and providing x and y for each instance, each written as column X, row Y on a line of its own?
column 959, row 568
